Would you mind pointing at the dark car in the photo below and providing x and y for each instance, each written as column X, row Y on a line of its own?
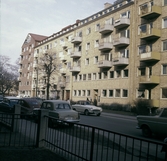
column 1, row 98
column 28, row 104
column 8, row 104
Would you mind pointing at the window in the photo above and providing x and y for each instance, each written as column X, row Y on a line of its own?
column 164, row 69
column 141, row 93
column 142, row 29
column 96, row 59
column 80, row 77
column 117, row 92
column 88, row 92
column 89, row 76
column 75, row 77
column 104, row 75
column 88, row 46
column 84, row 76
column 97, row 27
column 165, row 22
column 96, row 43
column 125, row 73
column 79, row 92
column 110, row 93
column 165, row 45
column 118, row 73
column 164, row 92
column 99, row 74
column 74, row 93
column 124, row 53
column 94, row 76
column 88, row 31
column 142, row 71
column 142, row 49
column 104, row 93
column 124, row 93
column 165, row 2
column 111, row 74
column 87, row 61
column 83, row 92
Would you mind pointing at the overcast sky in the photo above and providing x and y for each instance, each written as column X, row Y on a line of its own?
column 44, row 17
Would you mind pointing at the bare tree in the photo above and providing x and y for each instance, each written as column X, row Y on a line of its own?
column 48, row 65
column 8, row 75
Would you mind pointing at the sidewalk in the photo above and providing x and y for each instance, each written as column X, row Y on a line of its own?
column 28, row 154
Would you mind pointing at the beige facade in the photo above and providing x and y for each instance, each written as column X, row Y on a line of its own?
column 117, row 55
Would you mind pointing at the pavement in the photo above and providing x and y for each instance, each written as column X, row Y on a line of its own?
column 28, row 154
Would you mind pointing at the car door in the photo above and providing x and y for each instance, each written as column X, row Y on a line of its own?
column 162, row 123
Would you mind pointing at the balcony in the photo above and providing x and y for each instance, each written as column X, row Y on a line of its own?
column 75, row 69
column 36, row 55
column 20, row 70
column 19, row 79
column 151, row 34
column 154, row 102
column 76, row 40
column 103, row 46
column 122, row 22
column 150, row 12
column 35, row 65
column 121, row 42
column 107, row 28
column 20, row 61
column 62, row 84
column 63, row 70
column 63, row 58
column 34, row 76
column 75, row 54
column 64, row 45
column 149, row 79
column 120, row 61
column 150, row 56
column 104, row 64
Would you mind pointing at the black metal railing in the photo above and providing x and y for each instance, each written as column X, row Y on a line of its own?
column 95, row 144
column 78, row 142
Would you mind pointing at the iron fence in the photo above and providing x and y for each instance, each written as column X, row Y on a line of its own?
column 78, row 143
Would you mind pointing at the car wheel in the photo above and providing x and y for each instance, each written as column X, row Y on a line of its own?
column 86, row 112
column 146, row 131
column 98, row 114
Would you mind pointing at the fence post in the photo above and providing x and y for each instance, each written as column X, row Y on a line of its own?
column 92, row 143
column 42, row 127
column 15, row 118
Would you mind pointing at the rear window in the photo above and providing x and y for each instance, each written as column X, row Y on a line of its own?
column 62, row 106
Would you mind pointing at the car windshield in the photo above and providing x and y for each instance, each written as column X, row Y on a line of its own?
column 62, row 106
column 13, row 102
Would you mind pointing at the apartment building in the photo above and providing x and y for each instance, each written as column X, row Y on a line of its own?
column 26, row 64
column 117, row 55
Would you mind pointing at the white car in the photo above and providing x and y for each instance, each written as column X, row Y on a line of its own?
column 87, row 108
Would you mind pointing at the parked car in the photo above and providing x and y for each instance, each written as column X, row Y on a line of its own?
column 153, row 124
column 8, row 103
column 87, row 108
column 1, row 98
column 40, row 100
column 61, row 111
column 27, row 105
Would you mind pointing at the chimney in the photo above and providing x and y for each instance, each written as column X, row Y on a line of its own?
column 106, row 5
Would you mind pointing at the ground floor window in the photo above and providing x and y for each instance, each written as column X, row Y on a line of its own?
column 164, row 92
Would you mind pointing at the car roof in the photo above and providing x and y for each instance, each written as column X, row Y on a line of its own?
column 56, row 101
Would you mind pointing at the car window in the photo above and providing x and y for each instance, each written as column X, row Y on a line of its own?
column 164, row 114
column 62, row 106
column 13, row 102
